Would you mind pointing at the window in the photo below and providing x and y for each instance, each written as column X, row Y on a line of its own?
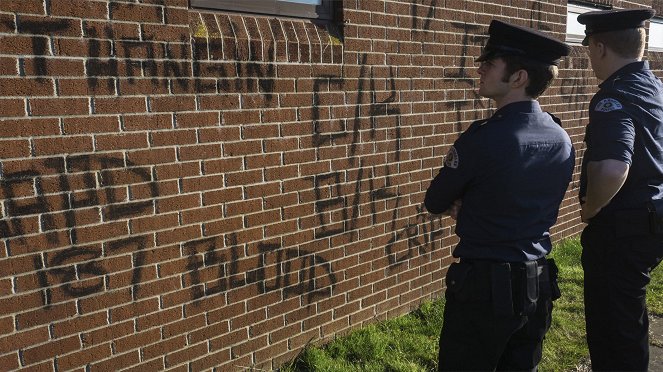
column 656, row 35
column 575, row 31
column 314, row 9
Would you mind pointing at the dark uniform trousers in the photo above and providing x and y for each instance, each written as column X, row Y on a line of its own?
column 496, row 315
column 617, row 259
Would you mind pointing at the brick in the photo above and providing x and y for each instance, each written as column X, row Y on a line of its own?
column 54, row 67
column 197, row 119
column 116, row 363
column 59, row 106
column 51, row 349
column 164, row 347
column 184, row 326
column 29, row 127
column 35, row 25
column 238, row 117
column 136, row 87
column 136, row 12
column 105, row 299
column 184, row 355
column 14, row 149
column 23, row 339
column 176, row 16
column 175, row 103
column 121, row 141
column 153, row 365
column 25, row 6
column 226, row 133
column 7, row 23
column 136, row 340
column 153, row 156
column 62, row 145
column 101, row 232
column 79, row 324
column 211, row 360
column 79, row 9
column 134, row 309
column 165, row 33
column 110, row 30
column 242, row 148
column 88, row 125
column 26, row 87
column 173, row 137
column 119, row 105
column 85, row 87
column 84, row 357
column 9, row 362
column 147, row 122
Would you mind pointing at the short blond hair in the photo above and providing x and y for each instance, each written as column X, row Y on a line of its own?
column 628, row 43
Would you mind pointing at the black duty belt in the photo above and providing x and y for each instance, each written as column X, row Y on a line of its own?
column 515, row 287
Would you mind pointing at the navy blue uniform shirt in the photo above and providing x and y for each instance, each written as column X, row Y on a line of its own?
column 511, row 172
column 625, row 124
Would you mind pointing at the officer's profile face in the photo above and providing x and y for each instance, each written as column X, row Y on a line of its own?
column 491, row 79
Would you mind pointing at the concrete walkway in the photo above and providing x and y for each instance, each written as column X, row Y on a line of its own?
column 655, row 348
column 656, row 344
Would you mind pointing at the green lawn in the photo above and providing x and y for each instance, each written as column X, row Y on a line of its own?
column 409, row 343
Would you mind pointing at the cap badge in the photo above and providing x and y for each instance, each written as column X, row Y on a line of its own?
column 452, row 160
column 607, row 105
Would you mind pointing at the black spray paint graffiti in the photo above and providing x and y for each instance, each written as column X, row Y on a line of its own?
column 417, row 242
column 416, row 30
column 40, row 44
column 475, row 103
column 92, row 171
column 88, row 266
column 77, row 269
column 537, row 20
column 295, row 271
column 574, row 88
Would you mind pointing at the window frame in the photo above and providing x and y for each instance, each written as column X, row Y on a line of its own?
column 655, row 29
column 576, row 9
column 284, row 8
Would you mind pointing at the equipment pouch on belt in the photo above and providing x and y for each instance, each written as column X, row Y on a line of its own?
column 500, row 275
column 656, row 216
column 456, row 279
column 531, row 287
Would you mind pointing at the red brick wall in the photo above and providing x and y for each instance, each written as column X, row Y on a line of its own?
column 184, row 188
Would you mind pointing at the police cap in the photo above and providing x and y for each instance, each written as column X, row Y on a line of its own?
column 613, row 20
column 510, row 40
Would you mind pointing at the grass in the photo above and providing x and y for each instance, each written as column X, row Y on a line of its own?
column 409, row 343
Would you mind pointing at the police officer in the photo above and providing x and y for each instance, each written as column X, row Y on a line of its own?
column 621, row 188
column 503, row 180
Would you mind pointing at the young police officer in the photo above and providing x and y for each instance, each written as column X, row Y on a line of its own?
column 504, row 179
column 620, row 189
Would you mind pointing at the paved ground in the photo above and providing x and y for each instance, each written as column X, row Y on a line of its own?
column 656, row 348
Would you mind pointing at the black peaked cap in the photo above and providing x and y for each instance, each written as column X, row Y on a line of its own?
column 507, row 39
column 613, row 20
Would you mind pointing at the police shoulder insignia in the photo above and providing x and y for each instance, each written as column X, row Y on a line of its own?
column 607, row 105
column 451, row 160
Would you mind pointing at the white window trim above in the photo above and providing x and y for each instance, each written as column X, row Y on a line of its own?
column 287, row 8
column 655, row 43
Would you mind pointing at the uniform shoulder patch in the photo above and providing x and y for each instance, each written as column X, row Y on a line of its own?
column 452, row 160
column 607, row 105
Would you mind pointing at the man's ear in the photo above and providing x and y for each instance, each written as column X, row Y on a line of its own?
column 601, row 49
column 519, row 78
